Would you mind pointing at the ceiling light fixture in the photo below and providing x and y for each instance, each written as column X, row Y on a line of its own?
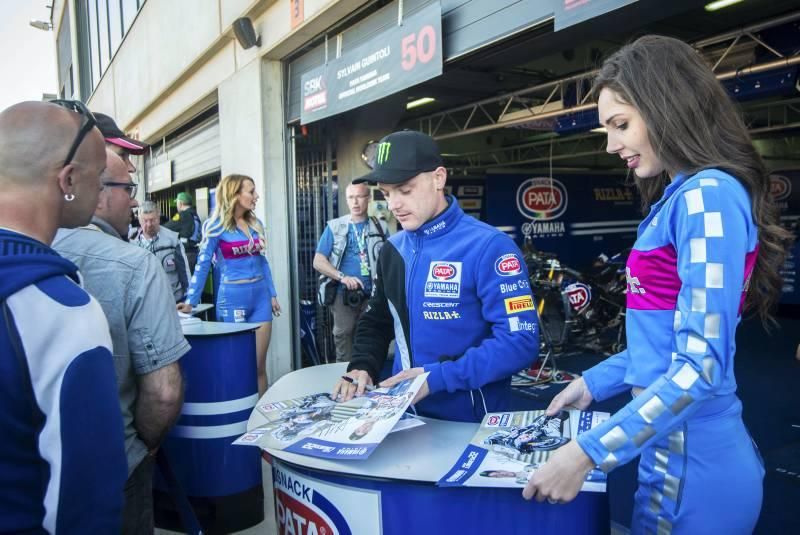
column 600, row 130
column 719, row 4
column 419, row 102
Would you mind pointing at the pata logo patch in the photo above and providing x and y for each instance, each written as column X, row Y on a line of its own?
column 508, row 265
column 444, row 280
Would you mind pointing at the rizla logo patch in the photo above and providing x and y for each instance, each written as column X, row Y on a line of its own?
column 383, row 152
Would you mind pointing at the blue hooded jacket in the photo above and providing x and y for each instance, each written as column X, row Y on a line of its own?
column 62, row 457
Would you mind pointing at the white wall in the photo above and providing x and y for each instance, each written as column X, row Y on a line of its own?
column 252, row 143
column 178, row 43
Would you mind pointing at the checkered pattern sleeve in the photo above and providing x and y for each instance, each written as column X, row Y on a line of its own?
column 607, row 379
column 201, row 269
column 710, row 222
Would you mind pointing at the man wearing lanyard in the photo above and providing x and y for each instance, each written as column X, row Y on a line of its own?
column 346, row 258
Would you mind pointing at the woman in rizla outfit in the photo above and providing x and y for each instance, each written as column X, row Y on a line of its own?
column 236, row 237
column 709, row 246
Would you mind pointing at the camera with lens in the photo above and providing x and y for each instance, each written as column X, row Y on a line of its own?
column 354, row 298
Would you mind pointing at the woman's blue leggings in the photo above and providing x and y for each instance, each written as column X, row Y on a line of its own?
column 705, row 477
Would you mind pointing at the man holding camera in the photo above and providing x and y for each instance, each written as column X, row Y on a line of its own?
column 346, row 258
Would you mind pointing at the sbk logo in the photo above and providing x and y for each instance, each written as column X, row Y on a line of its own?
column 443, row 271
column 508, row 265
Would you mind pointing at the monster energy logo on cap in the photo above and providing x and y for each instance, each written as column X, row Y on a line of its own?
column 401, row 156
column 383, row 152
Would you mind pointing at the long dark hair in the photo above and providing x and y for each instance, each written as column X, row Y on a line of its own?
column 693, row 125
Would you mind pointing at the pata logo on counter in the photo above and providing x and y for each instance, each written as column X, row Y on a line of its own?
column 305, row 506
column 299, row 509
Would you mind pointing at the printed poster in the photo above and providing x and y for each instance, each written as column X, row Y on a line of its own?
column 318, row 426
column 509, row 446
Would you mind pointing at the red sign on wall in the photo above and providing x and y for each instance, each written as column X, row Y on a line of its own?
column 297, row 15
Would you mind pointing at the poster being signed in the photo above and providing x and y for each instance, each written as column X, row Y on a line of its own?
column 508, row 448
column 318, row 426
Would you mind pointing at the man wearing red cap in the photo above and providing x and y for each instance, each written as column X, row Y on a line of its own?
column 118, row 142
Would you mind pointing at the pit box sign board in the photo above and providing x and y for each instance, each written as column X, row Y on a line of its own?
column 397, row 58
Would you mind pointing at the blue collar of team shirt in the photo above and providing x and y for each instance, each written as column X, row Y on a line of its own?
column 443, row 223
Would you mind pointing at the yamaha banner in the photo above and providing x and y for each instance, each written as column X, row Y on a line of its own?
column 400, row 57
column 576, row 217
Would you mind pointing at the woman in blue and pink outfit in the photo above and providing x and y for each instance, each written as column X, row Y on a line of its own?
column 708, row 248
column 236, row 238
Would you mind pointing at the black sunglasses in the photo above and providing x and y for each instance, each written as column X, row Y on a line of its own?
column 89, row 122
column 130, row 186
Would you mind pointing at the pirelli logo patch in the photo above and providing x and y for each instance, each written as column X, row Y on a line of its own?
column 515, row 305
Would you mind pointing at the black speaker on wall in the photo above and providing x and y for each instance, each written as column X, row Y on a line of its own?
column 245, row 33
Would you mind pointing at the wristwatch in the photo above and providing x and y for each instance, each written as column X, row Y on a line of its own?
column 341, row 276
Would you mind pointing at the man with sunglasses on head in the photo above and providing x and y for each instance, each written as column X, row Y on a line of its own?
column 136, row 297
column 62, row 455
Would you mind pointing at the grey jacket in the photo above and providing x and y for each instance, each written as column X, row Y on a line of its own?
column 378, row 233
column 169, row 250
column 136, row 298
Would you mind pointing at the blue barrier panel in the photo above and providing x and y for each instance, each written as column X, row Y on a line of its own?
column 223, row 482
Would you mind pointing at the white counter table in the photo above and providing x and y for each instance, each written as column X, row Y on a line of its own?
column 394, row 492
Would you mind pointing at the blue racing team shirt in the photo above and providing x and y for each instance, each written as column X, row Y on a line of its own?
column 350, row 264
column 238, row 258
column 687, row 277
column 455, row 296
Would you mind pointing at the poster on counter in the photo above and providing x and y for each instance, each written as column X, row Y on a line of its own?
column 318, row 426
column 509, row 446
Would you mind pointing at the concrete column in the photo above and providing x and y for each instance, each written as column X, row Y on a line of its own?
column 252, row 143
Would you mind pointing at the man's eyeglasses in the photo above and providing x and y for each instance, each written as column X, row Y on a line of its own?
column 130, row 186
column 89, row 122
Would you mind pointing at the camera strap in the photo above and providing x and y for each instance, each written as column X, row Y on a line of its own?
column 361, row 242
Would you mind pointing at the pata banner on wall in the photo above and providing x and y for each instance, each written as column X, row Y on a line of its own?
column 397, row 58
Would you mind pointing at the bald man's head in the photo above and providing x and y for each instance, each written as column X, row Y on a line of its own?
column 35, row 138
